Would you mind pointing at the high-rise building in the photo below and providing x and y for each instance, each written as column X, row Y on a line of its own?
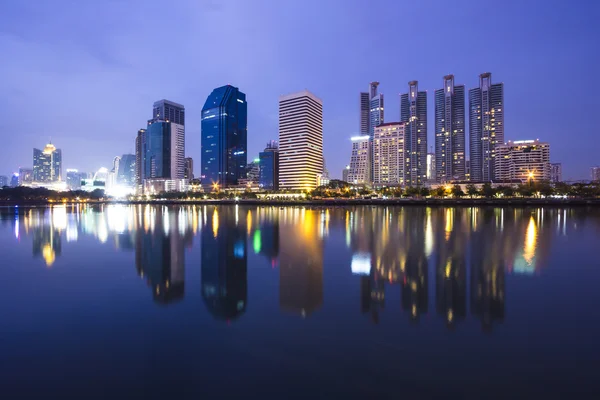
column 14, row 180
column 525, row 160
column 224, row 138
column 164, row 149
column 375, row 108
column 300, row 141
column 3, row 181
column 389, row 154
column 74, row 178
column 486, row 127
column 595, row 172
column 25, row 175
column 189, row 169
column 360, row 161
column 346, row 173
column 413, row 112
column 47, row 164
column 450, row 131
column 431, row 174
column 269, row 167
column 555, row 172
column 168, row 111
column 140, row 157
column 126, row 170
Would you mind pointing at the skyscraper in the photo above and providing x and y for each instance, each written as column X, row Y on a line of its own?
column 525, row 160
column 25, row 175
column 300, row 141
column 360, row 161
column 140, row 157
column 413, row 112
column 47, row 164
column 364, row 113
column 126, row 172
column 269, row 167
column 375, row 108
column 346, row 173
column 389, row 154
column 224, row 138
column 555, row 172
column 168, row 111
column 431, row 174
column 595, row 172
column 486, row 126
column 189, row 169
column 3, row 181
column 450, row 131
column 164, row 149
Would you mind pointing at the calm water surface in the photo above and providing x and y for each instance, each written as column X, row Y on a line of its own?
column 358, row 302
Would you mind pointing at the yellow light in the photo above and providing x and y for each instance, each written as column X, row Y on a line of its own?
column 531, row 175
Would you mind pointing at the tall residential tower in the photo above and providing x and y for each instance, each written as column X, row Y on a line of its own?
column 450, row 131
column 413, row 112
column 486, row 127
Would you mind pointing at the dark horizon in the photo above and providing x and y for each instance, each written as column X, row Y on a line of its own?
column 87, row 76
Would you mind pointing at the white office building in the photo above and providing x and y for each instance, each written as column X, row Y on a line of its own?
column 388, row 154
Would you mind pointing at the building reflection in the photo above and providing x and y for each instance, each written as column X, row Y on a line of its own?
column 160, row 255
column 224, row 262
column 415, row 280
column 300, row 261
column 265, row 238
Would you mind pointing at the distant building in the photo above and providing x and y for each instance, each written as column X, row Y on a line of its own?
column 300, row 141
column 450, row 129
column 431, row 173
column 140, row 157
column 224, row 138
column 74, row 179
column 253, row 170
column 189, row 169
column 269, row 167
column 413, row 112
column 346, row 173
column 486, row 127
column 556, row 172
column 164, row 161
column 524, row 160
column 126, row 172
column 3, row 181
column 14, row 180
column 389, row 154
column 25, row 175
column 360, row 161
column 322, row 180
column 47, row 164
column 595, row 174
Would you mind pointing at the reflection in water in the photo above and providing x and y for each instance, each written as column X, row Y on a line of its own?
column 300, row 261
column 224, row 264
column 468, row 252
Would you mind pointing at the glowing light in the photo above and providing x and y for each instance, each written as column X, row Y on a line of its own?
column 530, row 242
column 257, row 242
column 48, row 254
column 361, row 264
column 215, row 223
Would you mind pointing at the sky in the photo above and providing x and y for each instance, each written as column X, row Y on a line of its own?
column 86, row 73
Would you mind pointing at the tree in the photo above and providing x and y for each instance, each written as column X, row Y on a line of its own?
column 97, row 194
column 457, row 191
column 440, row 191
column 544, row 188
column 507, row 191
column 425, row 191
column 488, row 191
column 472, row 190
column 525, row 190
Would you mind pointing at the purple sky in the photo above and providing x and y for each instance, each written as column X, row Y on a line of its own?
column 87, row 73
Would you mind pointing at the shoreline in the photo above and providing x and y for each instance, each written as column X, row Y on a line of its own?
column 432, row 202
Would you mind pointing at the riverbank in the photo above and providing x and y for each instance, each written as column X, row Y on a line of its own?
column 430, row 202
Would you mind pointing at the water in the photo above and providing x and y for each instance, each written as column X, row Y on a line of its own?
column 356, row 302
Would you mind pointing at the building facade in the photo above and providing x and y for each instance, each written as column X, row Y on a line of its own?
column 300, row 141
column 486, row 127
column 164, row 149
column 360, row 161
column 375, row 108
column 555, row 172
column 431, row 174
column 25, row 175
column 74, row 179
column 346, row 173
column 169, row 111
column 224, row 138
column 450, row 128
column 413, row 112
column 189, row 169
column 47, row 164
column 3, row 181
column 595, row 174
column 525, row 160
column 269, row 167
column 126, row 171
column 389, row 154
column 140, row 157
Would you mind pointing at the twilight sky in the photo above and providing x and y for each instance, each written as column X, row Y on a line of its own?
column 86, row 73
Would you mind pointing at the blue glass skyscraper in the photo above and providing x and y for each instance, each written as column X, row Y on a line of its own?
column 224, row 138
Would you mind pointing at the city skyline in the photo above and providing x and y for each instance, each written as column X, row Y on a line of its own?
column 98, row 68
